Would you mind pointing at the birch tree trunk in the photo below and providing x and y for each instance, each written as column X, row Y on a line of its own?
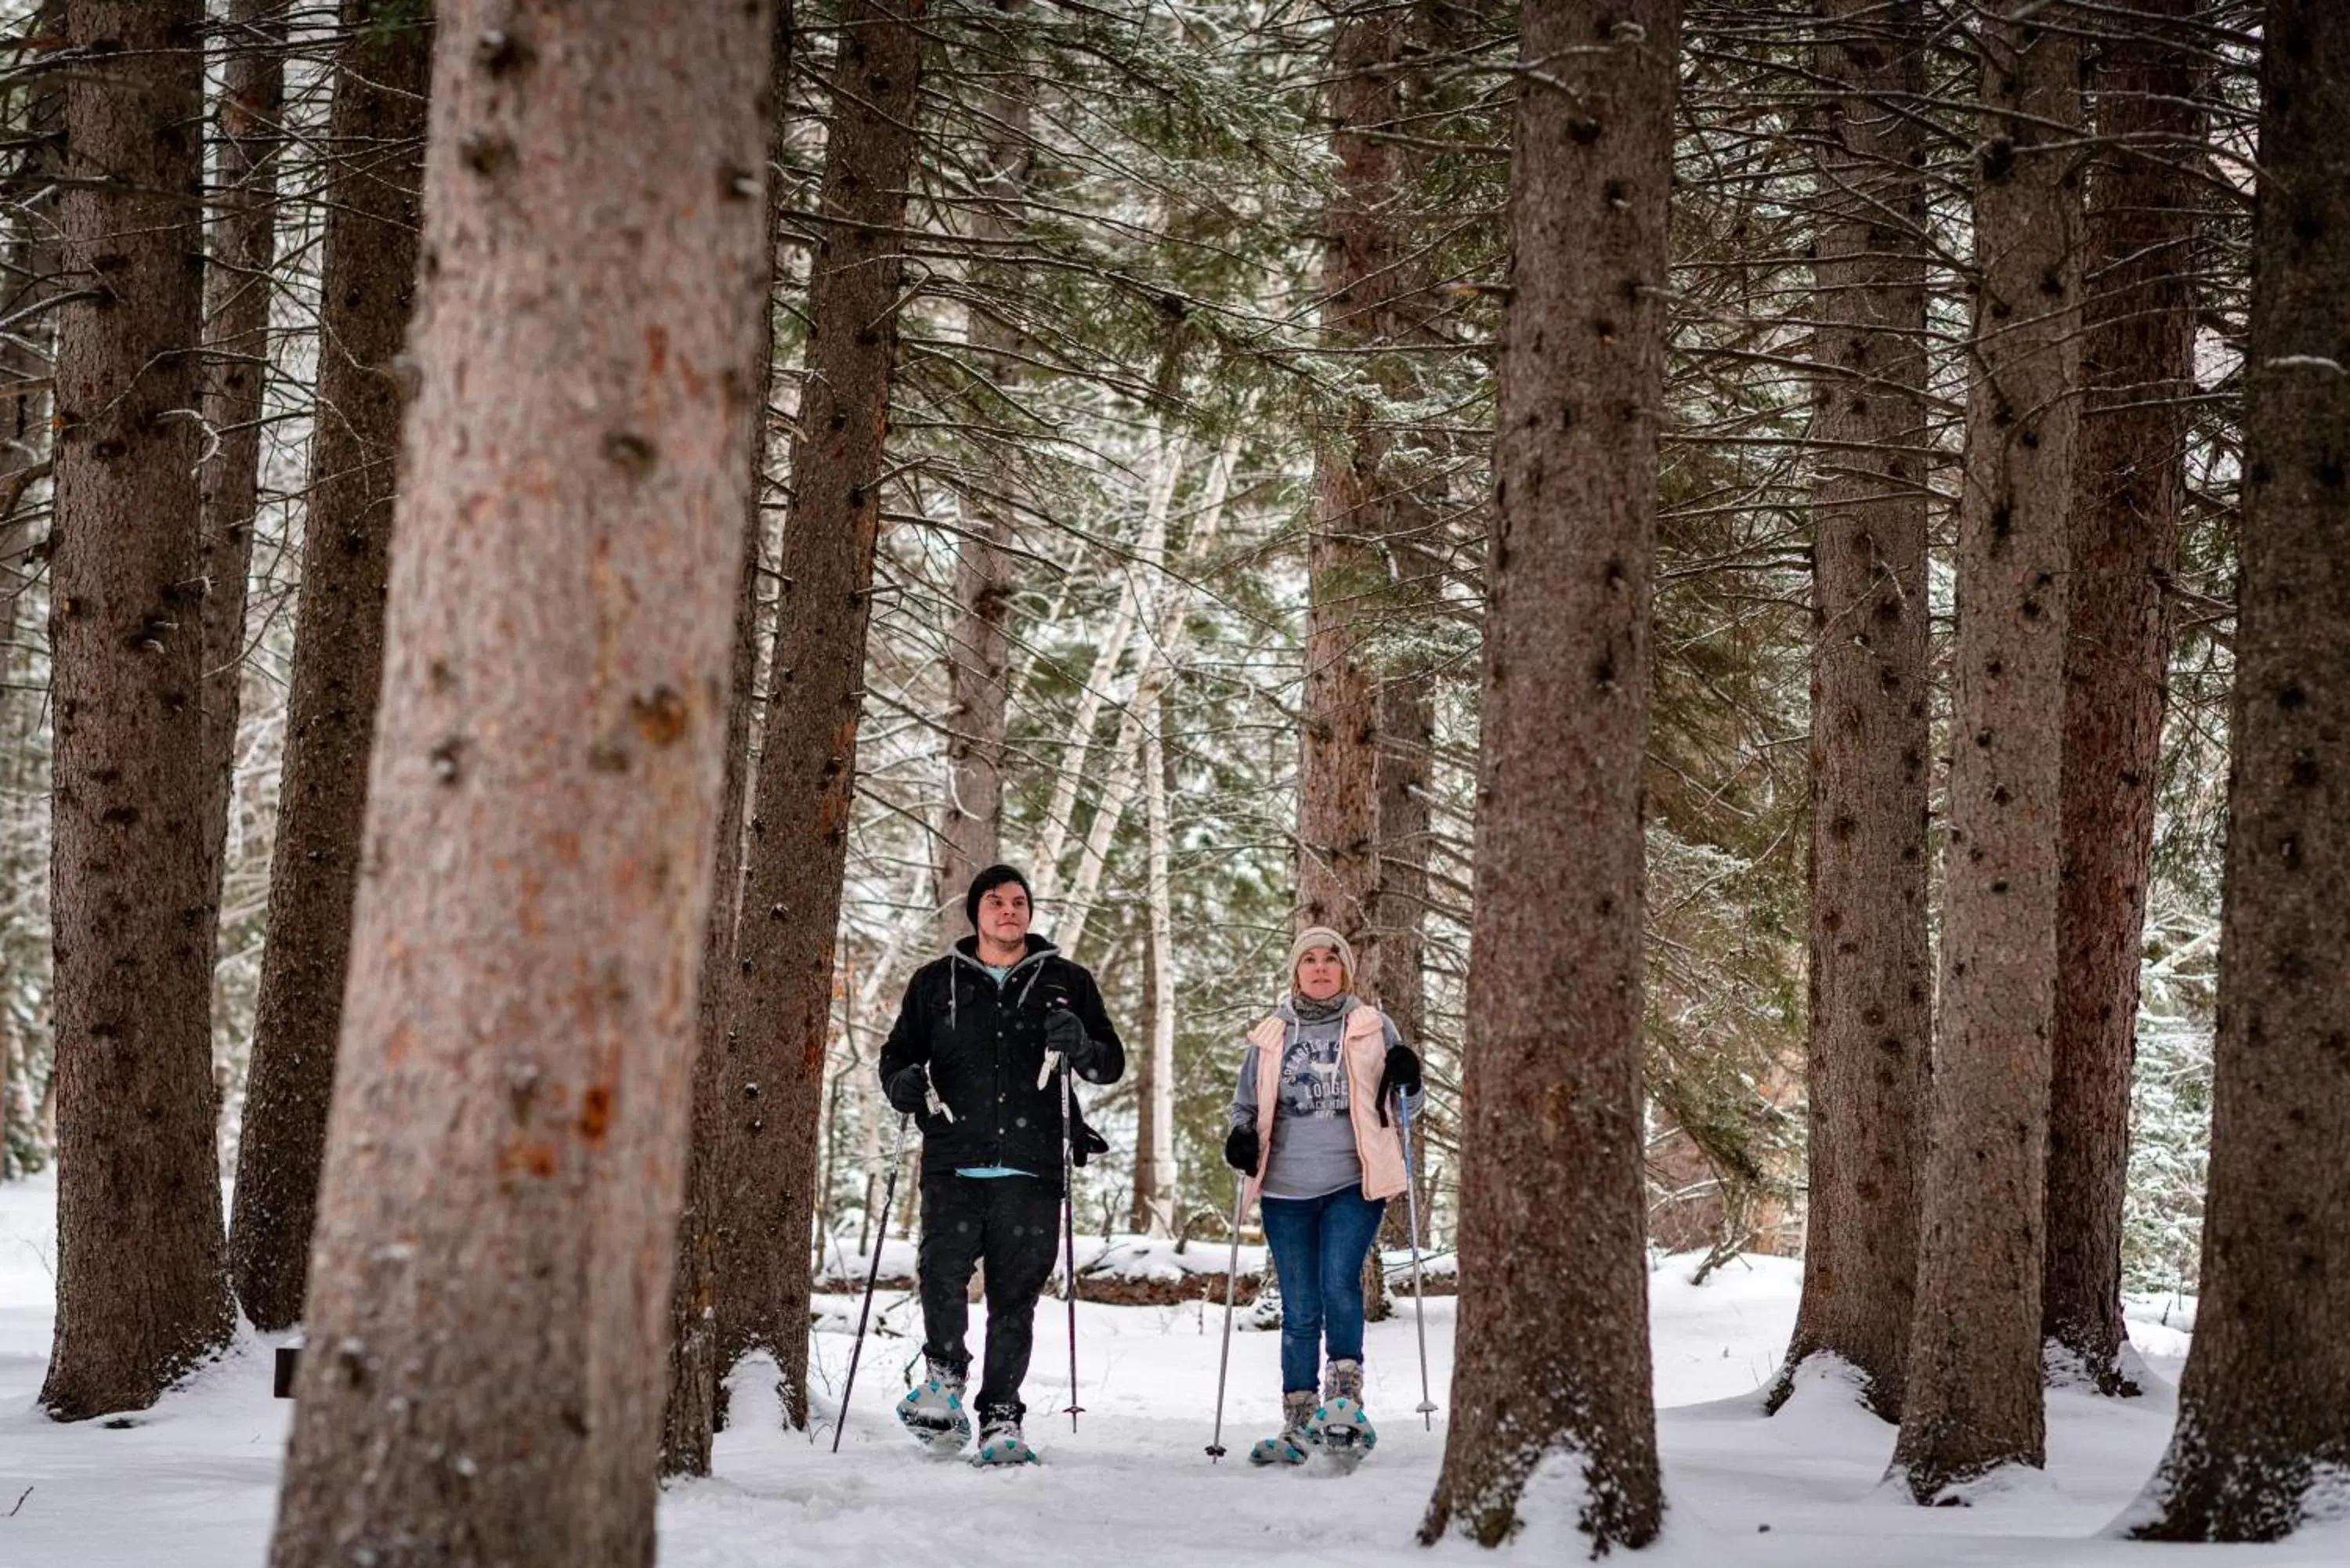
column 781, row 1007
column 142, row 1295
column 2263, row 1433
column 1871, row 984
column 497, row 1218
column 1552, row 1365
column 1972, row 1403
column 368, row 286
column 2138, row 360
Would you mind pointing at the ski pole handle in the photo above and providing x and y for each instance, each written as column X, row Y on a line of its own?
column 937, row 1106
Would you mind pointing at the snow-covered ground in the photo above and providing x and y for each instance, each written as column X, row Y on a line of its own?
column 191, row 1483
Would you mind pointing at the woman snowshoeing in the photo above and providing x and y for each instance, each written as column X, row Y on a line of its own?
column 1313, row 1126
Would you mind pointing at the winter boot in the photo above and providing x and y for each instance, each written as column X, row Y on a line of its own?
column 1341, row 1427
column 1287, row 1447
column 1000, row 1442
column 932, row 1409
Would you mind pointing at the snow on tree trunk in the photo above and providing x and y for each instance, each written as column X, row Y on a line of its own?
column 497, row 1215
column 1972, row 1403
column 142, row 1290
column 691, row 1416
column 979, row 643
column 367, row 285
column 1551, row 1366
column 799, row 824
column 237, row 290
column 2263, row 1441
column 2137, row 349
column 1870, row 983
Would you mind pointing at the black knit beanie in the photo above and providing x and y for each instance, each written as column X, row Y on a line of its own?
column 994, row 876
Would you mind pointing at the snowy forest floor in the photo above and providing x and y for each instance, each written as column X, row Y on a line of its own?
column 192, row 1483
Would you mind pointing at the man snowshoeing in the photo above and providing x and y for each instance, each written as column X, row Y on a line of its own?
column 975, row 1057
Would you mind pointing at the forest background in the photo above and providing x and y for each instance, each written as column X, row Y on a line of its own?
column 1117, row 368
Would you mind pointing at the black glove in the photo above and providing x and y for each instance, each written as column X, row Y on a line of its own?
column 1065, row 1031
column 1241, row 1150
column 908, row 1089
column 1402, row 1072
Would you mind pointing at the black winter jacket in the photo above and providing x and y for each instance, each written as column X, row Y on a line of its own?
column 984, row 1045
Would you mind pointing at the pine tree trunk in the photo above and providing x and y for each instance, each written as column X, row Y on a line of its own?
column 1870, row 980
column 979, row 644
column 2137, row 346
column 806, row 782
column 1972, row 1403
column 1552, row 1365
column 368, row 284
column 691, row 1416
column 237, row 288
column 142, row 1295
column 1338, row 799
column 497, row 1218
column 2263, row 1431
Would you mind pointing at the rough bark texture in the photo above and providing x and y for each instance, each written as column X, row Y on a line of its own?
column 506, row 1152
column 2263, row 1432
column 696, row 1403
column 1337, row 792
column 1973, row 1400
column 1870, row 981
column 2137, row 346
column 141, row 1292
column 1553, row 1360
column 799, row 825
column 235, row 376
column 377, row 126
column 979, row 643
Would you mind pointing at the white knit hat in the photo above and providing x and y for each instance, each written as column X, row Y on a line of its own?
column 1314, row 937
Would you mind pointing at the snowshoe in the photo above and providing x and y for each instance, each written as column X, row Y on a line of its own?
column 933, row 1412
column 1341, row 1428
column 1000, row 1443
column 1287, row 1447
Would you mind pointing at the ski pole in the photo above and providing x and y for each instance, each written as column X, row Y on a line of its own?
column 1231, row 1277
column 872, row 1275
column 1419, row 1289
column 1069, row 1230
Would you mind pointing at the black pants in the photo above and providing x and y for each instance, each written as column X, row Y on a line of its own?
column 1014, row 1223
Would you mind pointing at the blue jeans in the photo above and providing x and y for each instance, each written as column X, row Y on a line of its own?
column 1318, row 1247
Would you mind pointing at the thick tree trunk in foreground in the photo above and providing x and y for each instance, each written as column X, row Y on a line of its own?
column 376, row 127
column 2137, row 346
column 1870, row 983
column 142, row 1295
column 1553, row 1360
column 506, row 1154
column 1973, row 1401
column 799, row 827
column 2263, row 1432
column 235, row 377
column 695, row 1407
